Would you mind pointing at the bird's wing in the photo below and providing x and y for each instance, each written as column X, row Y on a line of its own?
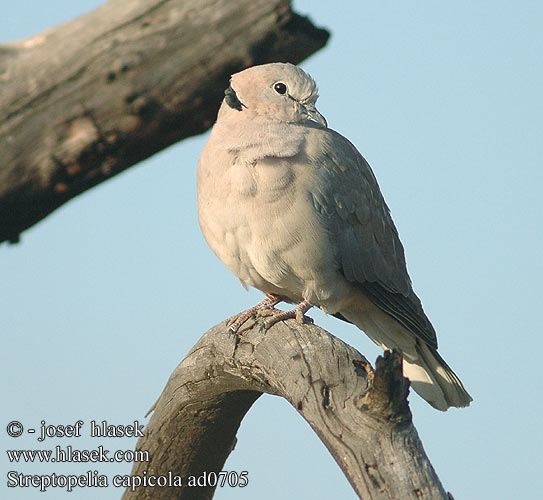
column 369, row 250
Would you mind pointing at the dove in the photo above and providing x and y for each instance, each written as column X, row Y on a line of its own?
column 293, row 209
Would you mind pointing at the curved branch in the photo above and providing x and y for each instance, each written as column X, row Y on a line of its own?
column 361, row 415
column 85, row 100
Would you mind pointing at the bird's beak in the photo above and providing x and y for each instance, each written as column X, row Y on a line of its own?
column 314, row 115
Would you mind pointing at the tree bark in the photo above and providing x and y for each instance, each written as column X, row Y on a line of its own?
column 85, row 100
column 361, row 415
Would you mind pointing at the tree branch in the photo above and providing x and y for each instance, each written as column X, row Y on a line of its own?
column 85, row 100
column 361, row 415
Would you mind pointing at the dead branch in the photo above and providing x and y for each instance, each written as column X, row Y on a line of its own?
column 361, row 415
column 85, row 100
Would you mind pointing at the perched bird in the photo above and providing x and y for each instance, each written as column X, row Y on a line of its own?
column 292, row 208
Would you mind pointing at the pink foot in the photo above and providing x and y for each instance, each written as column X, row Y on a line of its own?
column 236, row 321
column 298, row 313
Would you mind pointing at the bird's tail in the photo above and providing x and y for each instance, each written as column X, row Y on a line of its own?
column 433, row 379
column 430, row 376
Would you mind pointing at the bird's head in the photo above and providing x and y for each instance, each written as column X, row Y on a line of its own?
column 278, row 91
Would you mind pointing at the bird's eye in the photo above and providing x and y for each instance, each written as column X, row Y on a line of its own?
column 280, row 88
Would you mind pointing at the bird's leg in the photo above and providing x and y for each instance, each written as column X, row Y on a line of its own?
column 237, row 320
column 297, row 313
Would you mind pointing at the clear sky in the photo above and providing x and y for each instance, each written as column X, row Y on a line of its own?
column 102, row 300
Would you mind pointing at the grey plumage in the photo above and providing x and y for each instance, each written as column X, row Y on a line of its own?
column 293, row 209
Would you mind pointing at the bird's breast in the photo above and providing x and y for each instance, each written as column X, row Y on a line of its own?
column 265, row 181
column 260, row 220
column 245, row 210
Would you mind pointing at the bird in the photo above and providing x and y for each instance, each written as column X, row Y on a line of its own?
column 293, row 209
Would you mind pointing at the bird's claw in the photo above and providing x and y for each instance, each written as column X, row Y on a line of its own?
column 298, row 313
column 235, row 322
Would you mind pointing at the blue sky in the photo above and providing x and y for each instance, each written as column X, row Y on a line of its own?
column 102, row 299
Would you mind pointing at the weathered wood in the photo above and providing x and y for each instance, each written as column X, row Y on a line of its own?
column 361, row 415
column 85, row 100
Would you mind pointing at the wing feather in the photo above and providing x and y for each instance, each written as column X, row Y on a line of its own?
column 369, row 249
